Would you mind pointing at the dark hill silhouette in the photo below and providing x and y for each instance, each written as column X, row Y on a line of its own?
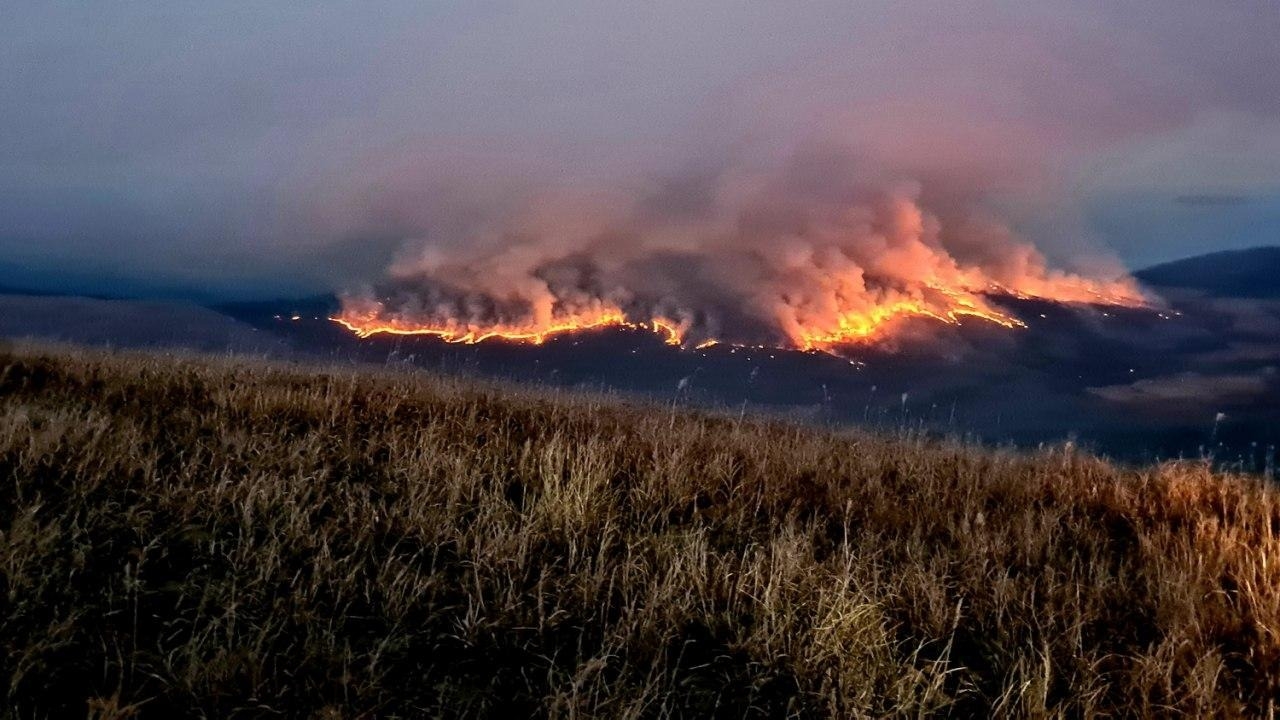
column 1252, row 273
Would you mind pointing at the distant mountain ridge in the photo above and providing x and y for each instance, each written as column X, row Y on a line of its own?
column 1133, row 382
column 130, row 323
column 1251, row 273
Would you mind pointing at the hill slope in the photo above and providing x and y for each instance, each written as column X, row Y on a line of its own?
column 199, row 537
column 129, row 323
column 1252, row 273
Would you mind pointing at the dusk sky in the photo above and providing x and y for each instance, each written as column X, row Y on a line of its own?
column 257, row 149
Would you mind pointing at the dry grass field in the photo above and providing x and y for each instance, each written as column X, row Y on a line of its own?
column 227, row 538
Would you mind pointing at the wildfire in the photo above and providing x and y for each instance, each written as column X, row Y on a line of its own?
column 845, row 327
column 860, row 327
column 821, row 278
column 367, row 323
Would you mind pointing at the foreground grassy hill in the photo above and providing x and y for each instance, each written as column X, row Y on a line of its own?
column 187, row 537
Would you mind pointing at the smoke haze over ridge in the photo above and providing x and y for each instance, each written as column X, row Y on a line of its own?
column 342, row 144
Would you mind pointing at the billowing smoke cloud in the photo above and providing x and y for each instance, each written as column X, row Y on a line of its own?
column 308, row 145
column 807, row 254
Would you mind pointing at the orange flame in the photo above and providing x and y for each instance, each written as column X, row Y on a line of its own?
column 845, row 327
column 860, row 327
column 369, row 322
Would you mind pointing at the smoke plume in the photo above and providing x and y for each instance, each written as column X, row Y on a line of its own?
column 808, row 253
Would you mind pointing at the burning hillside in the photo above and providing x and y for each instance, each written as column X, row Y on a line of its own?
column 754, row 267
